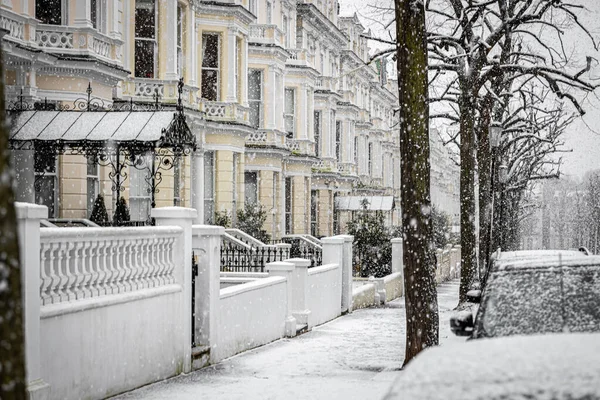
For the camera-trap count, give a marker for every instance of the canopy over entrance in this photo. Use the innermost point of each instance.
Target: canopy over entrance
(113, 135)
(373, 203)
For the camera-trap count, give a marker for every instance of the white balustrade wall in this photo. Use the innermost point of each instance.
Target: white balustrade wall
(107, 309)
(80, 263)
(110, 309)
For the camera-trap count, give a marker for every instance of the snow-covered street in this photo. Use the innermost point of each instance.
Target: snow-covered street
(356, 356)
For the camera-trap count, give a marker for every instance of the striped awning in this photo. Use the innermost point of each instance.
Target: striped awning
(98, 126)
(355, 203)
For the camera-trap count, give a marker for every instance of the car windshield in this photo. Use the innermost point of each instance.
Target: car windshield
(529, 301)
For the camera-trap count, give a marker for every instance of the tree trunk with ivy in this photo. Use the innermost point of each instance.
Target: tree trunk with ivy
(422, 321)
(12, 346)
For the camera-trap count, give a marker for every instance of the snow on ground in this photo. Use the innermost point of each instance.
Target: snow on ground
(356, 356)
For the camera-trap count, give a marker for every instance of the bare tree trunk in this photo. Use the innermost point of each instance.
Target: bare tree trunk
(12, 347)
(468, 239)
(422, 324)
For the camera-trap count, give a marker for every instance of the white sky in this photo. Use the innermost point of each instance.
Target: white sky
(583, 136)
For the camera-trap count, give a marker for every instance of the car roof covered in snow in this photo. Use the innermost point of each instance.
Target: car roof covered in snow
(557, 366)
(549, 262)
(536, 254)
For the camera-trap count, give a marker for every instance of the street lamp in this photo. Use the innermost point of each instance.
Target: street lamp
(494, 134)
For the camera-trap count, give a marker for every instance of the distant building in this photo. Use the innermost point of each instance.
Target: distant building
(445, 178)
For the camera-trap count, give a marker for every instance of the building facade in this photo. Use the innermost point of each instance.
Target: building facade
(286, 109)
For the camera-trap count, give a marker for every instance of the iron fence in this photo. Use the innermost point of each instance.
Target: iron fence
(235, 258)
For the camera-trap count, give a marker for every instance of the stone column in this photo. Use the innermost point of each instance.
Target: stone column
(192, 44)
(171, 72)
(285, 269)
(198, 185)
(300, 309)
(28, 222)
(271, 96)
(333, 253)
(183, 217)
(231, 67)
(347, 274)
(83, 13)
(206, 243)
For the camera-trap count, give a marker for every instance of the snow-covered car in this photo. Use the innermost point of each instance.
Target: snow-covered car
(554, 366)
(520, 289)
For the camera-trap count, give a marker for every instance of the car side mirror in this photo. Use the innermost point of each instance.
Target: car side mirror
(461, 324)
(474, 296)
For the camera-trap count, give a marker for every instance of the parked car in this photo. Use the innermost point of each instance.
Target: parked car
(537, 331)
(463, 323)
(554, 366)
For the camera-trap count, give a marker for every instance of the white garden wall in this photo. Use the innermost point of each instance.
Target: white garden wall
(394, 286)
(364, 296)
(324, 293)
(98, 347)
(250, 315)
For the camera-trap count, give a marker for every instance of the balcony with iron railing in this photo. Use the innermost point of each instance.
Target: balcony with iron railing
(61, 38)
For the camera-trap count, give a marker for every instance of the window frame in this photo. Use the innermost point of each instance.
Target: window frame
(53, 205)
(317, 127)
(339, 128)
(370, 159)
(216, 69)
(46, 4)
(209, 191)
(93, 177)
(256, 101)
(289, 115)
(140, 196)
(153, 40)
(180, 25)
(289, 199)
(253, 190)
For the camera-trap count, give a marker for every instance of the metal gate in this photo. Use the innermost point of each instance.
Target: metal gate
(194, 275)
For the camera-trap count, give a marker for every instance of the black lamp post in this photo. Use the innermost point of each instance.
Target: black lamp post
(495, 131)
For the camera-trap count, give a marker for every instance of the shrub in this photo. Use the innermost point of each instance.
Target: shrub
(99, 213)
(372, 243)
(223, 219)
(121, 214)
(251, 220)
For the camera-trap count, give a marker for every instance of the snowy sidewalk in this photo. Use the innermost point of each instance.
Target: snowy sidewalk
(353, 357)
